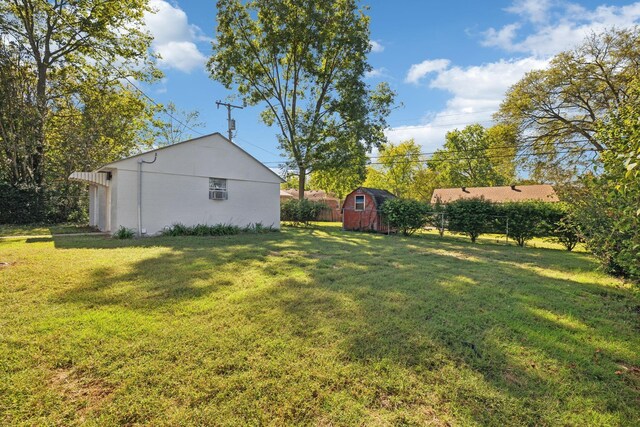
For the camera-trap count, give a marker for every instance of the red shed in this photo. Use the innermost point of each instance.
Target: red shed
(361, 210)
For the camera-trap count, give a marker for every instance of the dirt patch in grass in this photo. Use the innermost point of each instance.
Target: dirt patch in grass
(85, 394)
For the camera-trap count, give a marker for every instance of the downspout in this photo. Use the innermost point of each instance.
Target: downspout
(140, 163)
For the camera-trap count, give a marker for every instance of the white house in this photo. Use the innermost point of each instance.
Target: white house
(206, 180)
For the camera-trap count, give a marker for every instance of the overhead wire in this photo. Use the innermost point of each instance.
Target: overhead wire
(167, 113)
(124, 77)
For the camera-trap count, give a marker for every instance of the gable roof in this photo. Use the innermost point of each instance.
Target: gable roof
(516, 193)
(379, 196)
(110, 165)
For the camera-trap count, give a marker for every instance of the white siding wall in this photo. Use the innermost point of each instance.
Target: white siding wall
(176, 188)
(102, 208)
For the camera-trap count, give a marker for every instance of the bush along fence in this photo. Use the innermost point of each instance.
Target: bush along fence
(520, 221)
(301, 211)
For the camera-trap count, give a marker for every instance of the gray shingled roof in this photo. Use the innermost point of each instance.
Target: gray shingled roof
(379, 196)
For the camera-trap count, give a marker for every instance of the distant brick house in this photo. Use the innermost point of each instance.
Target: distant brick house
(361, 210)
(513, 193)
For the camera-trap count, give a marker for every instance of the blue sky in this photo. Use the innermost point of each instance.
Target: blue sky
(450, 62)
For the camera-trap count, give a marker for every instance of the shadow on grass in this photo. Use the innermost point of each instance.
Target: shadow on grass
(499, 340)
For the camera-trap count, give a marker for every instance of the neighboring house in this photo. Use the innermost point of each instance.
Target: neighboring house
(513, 193)
(333, 211)
(361, 210)
(284, 196)
(206, 180)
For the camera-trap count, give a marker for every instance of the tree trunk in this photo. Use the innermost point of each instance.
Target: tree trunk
(37, 161)
(302, 178)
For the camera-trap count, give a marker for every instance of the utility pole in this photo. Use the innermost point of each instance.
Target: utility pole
(231, 124)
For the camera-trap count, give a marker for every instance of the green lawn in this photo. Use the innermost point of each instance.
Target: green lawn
(312, 326)
(37, 230)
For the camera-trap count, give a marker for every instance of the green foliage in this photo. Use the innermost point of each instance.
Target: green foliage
(557, 110)
(526, 219)
(397, 171)
(606, 208)
(341, 179)
(301, 211)
(306, 61)
(475, 156)
(21, 204)
(179, 229)
(471, 217)
(63, 106)
(566, 232)
(405, 215)
(124, 233)
(172, 125)
(437, 217)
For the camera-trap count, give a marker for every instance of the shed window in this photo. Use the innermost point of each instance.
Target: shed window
(360, 203)
(218, 189)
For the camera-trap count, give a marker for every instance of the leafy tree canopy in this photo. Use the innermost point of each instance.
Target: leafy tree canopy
(397, 169)
(557, 110)
(306, 61)
(476, 156)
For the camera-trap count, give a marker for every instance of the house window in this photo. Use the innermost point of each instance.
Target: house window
(360, 203)
(218, 189)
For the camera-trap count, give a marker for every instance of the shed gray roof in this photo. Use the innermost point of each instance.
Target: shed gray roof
(379, 196)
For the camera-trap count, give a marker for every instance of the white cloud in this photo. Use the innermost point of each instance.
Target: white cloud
(476, 94)
(419, 71)
(376, 73)
(476, 91)
(174, 39)
(533, 10)
(376, 47)
(557, 26)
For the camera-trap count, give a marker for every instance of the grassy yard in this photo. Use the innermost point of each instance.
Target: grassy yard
(38, 230)
(312, 326)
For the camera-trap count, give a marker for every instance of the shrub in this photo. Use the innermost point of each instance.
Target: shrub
(608, 222)
(301, 211)
(405, 215)
(437, 217)
(472, 217)
(124, 233)
(178, 229)
(21, 204)
(566, 233)
(527, 219)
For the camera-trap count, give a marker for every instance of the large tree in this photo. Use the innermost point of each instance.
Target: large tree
(398, 169)
(306, 61)
(18, 116)
(606, 208)
(476, 156)
(61, 37)
(557, 110)
(174, 125)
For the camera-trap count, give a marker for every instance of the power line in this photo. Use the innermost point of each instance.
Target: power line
(445, 125)
(523, 155)
(530, 145)
(122, 76)
(437, 116)
(497, 147)
(258, 147)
